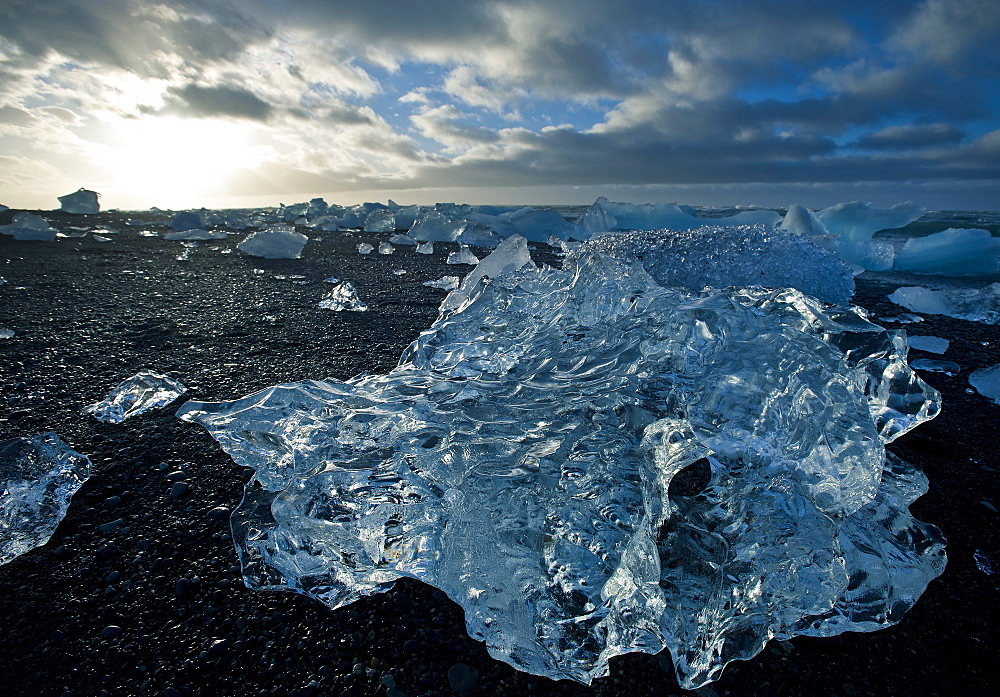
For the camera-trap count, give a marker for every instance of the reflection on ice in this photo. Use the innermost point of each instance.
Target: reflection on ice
(143, 391)
(38, 476)
(525, 454)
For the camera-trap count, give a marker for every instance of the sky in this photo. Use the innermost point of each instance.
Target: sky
(240, 103)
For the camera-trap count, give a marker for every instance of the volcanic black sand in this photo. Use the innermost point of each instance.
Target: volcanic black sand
(129, 555)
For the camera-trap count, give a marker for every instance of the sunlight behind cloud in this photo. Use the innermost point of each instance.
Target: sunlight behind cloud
(173, 162)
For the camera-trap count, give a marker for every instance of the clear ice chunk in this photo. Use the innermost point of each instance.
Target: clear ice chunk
(425, 248)
(524, 456)
(464, 255)
(39, 476)
(196, 234)
(9, 333)
(987, 382)
(385, 248)
(81, 201)
(972, 304)
(365, 248)
(143, 391)
(380, 220)
(29, 227)
(443, 283)
(931, 344)
(722, 256)
(278, 242)
(341, 297)
(935, 366)
(857, 221)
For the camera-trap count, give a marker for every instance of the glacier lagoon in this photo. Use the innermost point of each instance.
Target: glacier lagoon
(520, 458)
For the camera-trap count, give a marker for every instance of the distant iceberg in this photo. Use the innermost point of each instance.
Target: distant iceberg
(81, 201)
(38, 477)
(952, 251)
(526, 456)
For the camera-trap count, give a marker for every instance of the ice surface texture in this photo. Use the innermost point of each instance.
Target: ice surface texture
(971, 304)
(524, 458)
(39, 476)
(143, 391)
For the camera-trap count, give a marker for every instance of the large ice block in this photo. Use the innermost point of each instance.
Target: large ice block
(524, 456)
(81, 201)
(278, 242)
(38, 476)
(972, 304)
(951, 251)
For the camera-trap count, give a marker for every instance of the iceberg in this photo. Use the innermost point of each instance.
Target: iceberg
(952, 251)
(987, 382)
(380, 220)
(857, 222)
(38, 476)
(342, 297)
(464, 255)
(434, 226)
(802, 221)
(974, 305)
(187, 220)
(143, 391)
(527, 456)
(29, 227)
(278, 242)
(81, 201)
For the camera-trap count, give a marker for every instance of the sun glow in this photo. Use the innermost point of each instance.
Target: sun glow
(173, 162)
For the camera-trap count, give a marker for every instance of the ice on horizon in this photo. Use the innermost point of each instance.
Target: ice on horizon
(38, 476)
(81, 201)
(524, 457)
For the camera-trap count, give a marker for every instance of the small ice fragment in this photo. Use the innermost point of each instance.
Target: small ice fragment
(464, 255)
(399, 272)
(80, 201)
(6, 333)
(196, 234)
(101, 238)
(933, 366)
(904, 318)
(386, 248)
(143, 391)
(444, 283)
(278, 242)
(38, 477)
(983, 562)
(331, 279)
(987, 382)
(931, 344)
(425, 248)
(343, 297)
(365, 248)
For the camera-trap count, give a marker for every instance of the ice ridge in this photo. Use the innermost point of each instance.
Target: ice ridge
(526, 457)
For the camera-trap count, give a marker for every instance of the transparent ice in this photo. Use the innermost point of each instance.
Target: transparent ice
(386, 248)
(533, 453)
(952, 251)
(380, 220)
(972, 304)
(464, 255)
(196, 234)
(9, 333)
(936, 366)
(932, 344)
(29, 227)
(987, 382)
(278, 242)
(443, 283)
(343, 296)
(143, 391)
(38, 476)
(365, 248)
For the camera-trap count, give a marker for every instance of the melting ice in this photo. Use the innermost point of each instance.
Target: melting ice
(522, 457)
(143, 391)
(38, 476)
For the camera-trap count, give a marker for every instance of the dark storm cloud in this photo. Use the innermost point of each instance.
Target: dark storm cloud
(911, 137)
(194, 100)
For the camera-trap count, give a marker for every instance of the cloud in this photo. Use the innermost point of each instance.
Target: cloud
(195, 100)
(911, 137)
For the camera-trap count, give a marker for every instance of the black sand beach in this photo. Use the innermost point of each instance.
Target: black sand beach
(163, 571)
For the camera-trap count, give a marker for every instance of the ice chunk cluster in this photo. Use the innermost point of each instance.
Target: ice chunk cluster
(527, 454)
(143, 391)
(39, 476)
